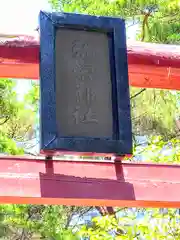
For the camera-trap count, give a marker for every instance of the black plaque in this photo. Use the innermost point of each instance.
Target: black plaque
(83, 84)
(85, 105)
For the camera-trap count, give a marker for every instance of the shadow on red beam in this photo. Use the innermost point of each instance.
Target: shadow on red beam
(89, 183)
(150, 65)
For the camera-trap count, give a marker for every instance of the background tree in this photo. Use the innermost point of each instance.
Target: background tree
(25, 222)
(154, 225)
(16, 119)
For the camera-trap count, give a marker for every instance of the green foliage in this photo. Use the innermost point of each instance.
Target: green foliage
(154, 112)
(160, 151)
(20, 127)
(45, 222)
(161, 31)
(158, 19)
(9, 146)
(32, 97)
(16, 121)
(52, 222)
(154, 225)
(7, 98)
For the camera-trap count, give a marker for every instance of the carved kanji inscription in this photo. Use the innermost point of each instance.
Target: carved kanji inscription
(83, 84)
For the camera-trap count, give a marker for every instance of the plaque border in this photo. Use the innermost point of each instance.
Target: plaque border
(50, 138)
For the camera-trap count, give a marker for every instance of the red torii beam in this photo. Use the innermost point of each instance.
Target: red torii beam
(150, 65)
(38, 181)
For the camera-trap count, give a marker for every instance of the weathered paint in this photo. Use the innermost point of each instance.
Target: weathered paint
(36, 181)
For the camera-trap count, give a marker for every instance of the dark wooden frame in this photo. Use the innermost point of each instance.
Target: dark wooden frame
(51, 140)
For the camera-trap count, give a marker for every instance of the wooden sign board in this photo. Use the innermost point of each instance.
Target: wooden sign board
(82, 72)
(84, 84)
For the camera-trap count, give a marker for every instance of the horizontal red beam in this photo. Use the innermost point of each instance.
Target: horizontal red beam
(36, 181)
(150, 65)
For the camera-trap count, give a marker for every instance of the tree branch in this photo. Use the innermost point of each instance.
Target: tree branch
(6, 119)
(137, 94)
(145, 21)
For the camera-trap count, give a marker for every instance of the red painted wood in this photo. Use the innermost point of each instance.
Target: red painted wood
(88, 183)
(150, 65)
(152, 54)
(150, 76)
